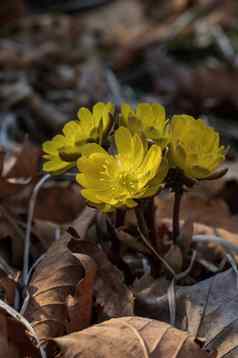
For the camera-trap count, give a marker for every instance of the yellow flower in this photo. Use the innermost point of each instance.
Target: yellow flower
(147, 119)
(112, 181)
(63, 150)
(195, 147)
(93, 125)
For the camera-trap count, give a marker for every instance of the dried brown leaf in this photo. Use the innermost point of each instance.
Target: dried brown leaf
(111, 293)
(131, 242)
(80, 305)
(15, 341)
(59, 204)
(201, 208)
(208, 309)
(27, 162)
(8, 284)
(129, 337)
(83, 221)
(174, 257)
(57, 282)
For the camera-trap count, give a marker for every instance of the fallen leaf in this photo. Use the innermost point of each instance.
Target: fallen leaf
(201, 209)
(15, 341)
(83, 221)
(207, 309)
(8, 284)
(213, 251)
(131, 242)
(55, 283)
(26, 163)
(174, 257)
(59, 203)
(111, 293)
(129, 337)
(80, 304)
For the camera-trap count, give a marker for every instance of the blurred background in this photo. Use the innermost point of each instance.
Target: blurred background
(57, 55)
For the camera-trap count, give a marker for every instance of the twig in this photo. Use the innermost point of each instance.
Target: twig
(141, 221)
(220, 335)
(227, 245)
(185, 273)
(224, 44)
(231, 351)
(172, 302)
(29, 227)
(114, 86)
(230, 257)
(148, 244)
(204, 308)
(144, 234)
(17, 316)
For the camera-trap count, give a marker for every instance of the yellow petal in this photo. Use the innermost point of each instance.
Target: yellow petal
(151, 163)
(71, 128)
(98, 168)
(53, 146)
(90, 148)
(123, 140)
(86, 120)
(56, 166)
(126, 111)
(145, 113)
(130, 203)
(159, 111)
(138, 151)
(101, 111)
(90, 195)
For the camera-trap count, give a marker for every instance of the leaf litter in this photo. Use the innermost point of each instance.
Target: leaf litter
(77, 277)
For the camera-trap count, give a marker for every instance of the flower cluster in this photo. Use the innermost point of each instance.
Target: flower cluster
(144, 145)
(63, 150)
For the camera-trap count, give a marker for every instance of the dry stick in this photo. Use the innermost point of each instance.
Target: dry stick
(224, 44)
(152, 249)
(27, 295)
(114, 87)
(227, 245)
(231, 259)
(16, 315)
(230, 352)
(172, 302)
(29, 227)
(185, 273)
(205, 306)
(221, 334)
(148, 244)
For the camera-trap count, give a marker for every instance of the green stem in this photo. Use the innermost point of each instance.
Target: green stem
(176, 213)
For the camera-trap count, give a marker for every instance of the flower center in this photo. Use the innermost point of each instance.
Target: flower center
(127, 182)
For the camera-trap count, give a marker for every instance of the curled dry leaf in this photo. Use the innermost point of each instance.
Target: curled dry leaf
(83, 221)
(80, 305)
(8, 283)
(59, 203)
(26, 163)
(12, 169)
(129, 337)
(15, 341)
(111, 293)
(56, 288)
(208, 309)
